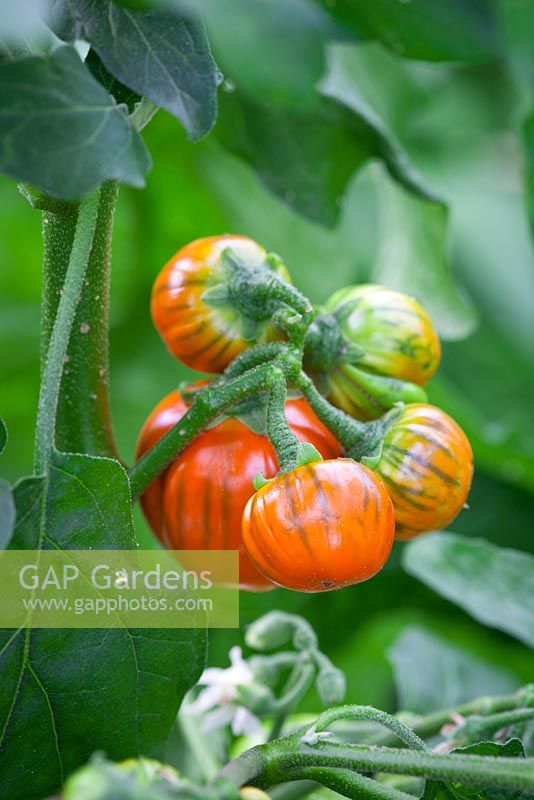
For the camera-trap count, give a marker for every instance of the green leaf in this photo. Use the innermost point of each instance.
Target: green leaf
(308, 156)
(7, 504)
(271, 49)
(493, 584)
(436, 790)
(3, 435)
(7, 514)
(412, 257)
(448, 30)
(528, 139)
(412, 238)
(117, 90)
(431, 673)
(68, 693)
(158, 54)
(344, 88)
(61, 131)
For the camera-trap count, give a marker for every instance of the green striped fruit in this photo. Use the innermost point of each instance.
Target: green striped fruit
(372, 347)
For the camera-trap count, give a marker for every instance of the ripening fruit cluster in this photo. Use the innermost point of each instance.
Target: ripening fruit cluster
(326, 524)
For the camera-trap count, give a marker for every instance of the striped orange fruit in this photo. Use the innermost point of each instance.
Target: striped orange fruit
(204, 336)
(198, 502)
(320, 527)
(427, 465)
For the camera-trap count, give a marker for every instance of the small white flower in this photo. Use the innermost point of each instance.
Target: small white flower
(313, 737)
(217, 702)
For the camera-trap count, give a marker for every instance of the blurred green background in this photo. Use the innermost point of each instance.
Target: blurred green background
(459, 125)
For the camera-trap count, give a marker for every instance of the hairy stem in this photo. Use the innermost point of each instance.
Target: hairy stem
(207, 405)
(298, 683)
(349, 784)
(270, 764)
(357, 438)
(431, 724)
(370, 714)
(84, 418)
(61, 329)
(282, 438)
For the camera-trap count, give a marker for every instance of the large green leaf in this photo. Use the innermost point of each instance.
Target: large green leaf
(7, 513)
(68, 692)
(431, 673)
(3, 436)
(307, 156)
(436, 790)
(412, 256)
(493, 584)
(158, 54)
(448, 30)
(61, 131)
(7, 504)
(528, 137)
(273, 50)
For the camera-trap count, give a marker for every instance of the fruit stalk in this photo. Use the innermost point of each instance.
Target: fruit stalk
(207, 405)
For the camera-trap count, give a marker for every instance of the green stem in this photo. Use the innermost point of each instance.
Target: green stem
(277, 628)
(476, 728)
(284, 441)
(349, 784)
(370, 714)
(259, 354)
(84, 418)
(208, 405)
(507, 718)
(268, 668)
(298, 684)
(431, 724)
(270, 764)
(357, 438)
(61, 330)
(59, 220)
(258, 292)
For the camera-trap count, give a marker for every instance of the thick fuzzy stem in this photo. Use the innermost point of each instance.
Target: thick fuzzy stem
(208, 405)
(84, 418)
(349, 784)
(358, 438)
(284, 441)
(270, 764)
(431, 724)
(370, 714)
(61, 329)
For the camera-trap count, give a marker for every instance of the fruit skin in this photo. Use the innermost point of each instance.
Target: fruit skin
(321, 526)
(427, 466)
(393, 330)
(198, 502)
(203, 336)
(373, 347)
